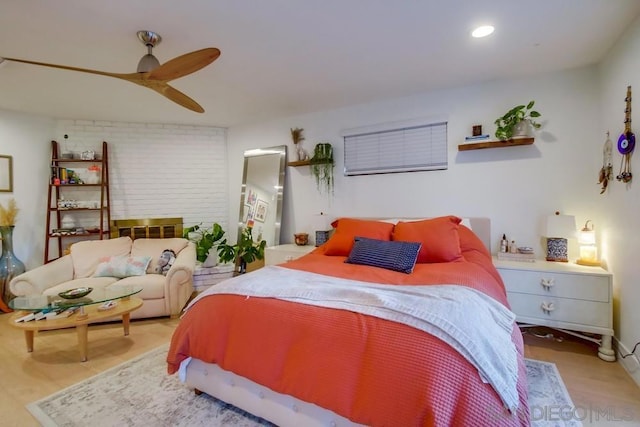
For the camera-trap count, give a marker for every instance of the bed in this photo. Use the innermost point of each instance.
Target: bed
(340, 361)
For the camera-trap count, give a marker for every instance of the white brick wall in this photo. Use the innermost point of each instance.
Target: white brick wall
(158, 170)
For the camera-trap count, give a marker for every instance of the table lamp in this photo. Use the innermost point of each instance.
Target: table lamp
(588, 248)
(559, 228)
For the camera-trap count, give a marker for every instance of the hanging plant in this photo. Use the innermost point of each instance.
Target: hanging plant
(322, 167)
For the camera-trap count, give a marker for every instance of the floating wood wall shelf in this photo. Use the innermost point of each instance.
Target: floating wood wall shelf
(299, 163)
(495, 144)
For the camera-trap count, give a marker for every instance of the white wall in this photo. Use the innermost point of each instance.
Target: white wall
(516, 187)
(620, 225)
(26, 138)
(156, 170)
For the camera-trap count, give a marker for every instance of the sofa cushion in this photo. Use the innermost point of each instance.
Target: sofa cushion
(86, 255)
(152, 285)
(154, 248)
(123, 266)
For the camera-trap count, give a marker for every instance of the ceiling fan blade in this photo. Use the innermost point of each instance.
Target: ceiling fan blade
(178, 97)
(130, 77)
(185, 64)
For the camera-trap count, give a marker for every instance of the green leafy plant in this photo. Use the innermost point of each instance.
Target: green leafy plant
(204, 239)
(322, 167)
(507, 123)
(243, 252)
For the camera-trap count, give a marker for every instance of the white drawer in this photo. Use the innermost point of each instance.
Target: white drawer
(563, 309)
(562, 285)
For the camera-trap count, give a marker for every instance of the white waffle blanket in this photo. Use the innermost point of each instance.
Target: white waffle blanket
(474, 324)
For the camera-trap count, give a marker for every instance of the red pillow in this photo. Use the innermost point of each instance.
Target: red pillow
(439, 238)
(341, 243)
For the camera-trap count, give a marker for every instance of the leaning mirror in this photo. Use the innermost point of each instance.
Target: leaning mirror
(262, 189)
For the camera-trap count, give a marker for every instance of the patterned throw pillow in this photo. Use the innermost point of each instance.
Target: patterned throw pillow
(123, 266)
(392, 255)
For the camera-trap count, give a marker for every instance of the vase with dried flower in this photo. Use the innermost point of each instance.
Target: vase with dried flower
(10, 265)
(297, 137)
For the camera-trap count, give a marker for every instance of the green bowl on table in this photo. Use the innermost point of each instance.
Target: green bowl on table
(75, 293)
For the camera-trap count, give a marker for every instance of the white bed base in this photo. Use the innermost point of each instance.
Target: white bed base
(281, 409)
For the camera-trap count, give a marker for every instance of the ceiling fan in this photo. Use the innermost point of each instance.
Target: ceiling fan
(150, 73)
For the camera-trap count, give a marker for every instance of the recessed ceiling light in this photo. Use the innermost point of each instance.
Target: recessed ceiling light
(482, 31)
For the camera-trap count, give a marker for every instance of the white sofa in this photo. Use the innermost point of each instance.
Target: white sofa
(162, 295)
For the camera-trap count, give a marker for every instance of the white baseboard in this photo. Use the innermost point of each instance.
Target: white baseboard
(631, 364)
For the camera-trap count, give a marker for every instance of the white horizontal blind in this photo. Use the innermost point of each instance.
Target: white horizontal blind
(417, 147)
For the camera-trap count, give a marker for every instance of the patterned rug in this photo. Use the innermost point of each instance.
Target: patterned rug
(113, 398)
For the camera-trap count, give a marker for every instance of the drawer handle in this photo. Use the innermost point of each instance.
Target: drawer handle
(547, 307)
(547, 284)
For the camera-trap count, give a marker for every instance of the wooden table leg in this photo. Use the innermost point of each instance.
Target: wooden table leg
(28, 336)
(125, 323)
(83, 340)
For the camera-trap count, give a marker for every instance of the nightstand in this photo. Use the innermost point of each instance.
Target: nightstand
(283, 253)
(564, 296)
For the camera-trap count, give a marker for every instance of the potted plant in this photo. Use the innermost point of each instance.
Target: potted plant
(322, 167)
(520, 115)
(243, 252)
(204, 239)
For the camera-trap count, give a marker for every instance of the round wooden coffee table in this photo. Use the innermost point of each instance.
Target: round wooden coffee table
(87, 314)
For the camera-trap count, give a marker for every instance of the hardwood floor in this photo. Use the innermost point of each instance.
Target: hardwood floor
(602, 391)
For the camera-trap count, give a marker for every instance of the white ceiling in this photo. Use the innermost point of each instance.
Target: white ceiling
(286, 57)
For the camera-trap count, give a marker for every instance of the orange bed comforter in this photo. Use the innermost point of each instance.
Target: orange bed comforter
(372, 371)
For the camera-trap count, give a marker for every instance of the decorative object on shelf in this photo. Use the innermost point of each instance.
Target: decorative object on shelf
(6, 174)
(205, 239)
(476, 130)
(297, 137)
(559, 229)
(301, 239)
(88, 155)
(588, 248)
(521, 116)
(10, 265)
(93, 174)
(245, 251)
(322, 167)
(606, 172)
(626, 143)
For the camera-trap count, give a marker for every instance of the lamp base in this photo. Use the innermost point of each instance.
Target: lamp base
(588, 262)
(557, 249)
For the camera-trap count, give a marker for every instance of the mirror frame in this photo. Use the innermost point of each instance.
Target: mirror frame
(281, 151)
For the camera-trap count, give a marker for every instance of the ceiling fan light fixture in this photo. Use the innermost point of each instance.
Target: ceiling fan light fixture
(148, 63)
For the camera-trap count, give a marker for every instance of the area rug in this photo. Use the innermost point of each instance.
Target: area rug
(114, 397)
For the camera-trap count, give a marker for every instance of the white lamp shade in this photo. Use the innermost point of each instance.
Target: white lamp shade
(561, 226)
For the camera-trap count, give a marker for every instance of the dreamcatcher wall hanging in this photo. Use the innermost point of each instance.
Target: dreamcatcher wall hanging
(626, 143)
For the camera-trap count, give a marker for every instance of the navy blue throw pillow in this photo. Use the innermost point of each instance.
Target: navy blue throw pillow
(392, 255)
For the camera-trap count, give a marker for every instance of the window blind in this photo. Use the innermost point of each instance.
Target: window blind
(416, 147)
